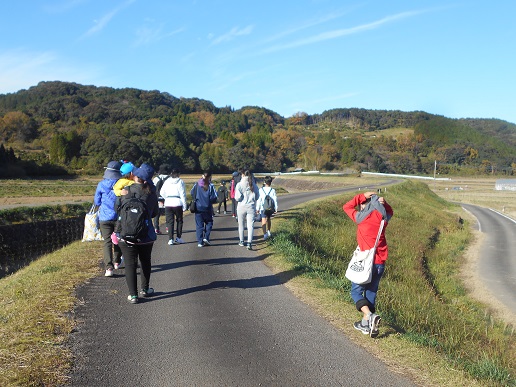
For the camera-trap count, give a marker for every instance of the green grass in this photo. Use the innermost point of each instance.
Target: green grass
(422, 299)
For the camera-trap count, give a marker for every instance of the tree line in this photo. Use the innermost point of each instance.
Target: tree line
(63, 127)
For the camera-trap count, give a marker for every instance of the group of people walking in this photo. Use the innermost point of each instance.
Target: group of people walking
(123, 182)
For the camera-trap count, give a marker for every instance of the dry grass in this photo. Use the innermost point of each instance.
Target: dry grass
(35, 305)
(479, 191)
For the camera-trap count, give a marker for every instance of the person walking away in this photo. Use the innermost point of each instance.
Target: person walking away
(174, 193)
(142, 195)
(266, 206)
(158, 181)
(203, 192)
(235, 178)
(222, 196)
(372, 209)
(246, 194)
(105, 199)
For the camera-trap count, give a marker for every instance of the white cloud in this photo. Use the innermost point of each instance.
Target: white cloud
(101, 23)
(148, 35)
(233, 34)
(308, 24)
(342, 32)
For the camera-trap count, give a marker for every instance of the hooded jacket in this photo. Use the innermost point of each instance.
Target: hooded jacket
(105, 198)
(246, 195)
(174, 193)
(368, 223)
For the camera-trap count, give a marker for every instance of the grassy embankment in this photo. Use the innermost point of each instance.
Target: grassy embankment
(431, 328)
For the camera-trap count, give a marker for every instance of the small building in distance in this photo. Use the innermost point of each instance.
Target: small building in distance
(505, 184)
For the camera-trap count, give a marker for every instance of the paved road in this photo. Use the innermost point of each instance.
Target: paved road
(497, 263)
(219, 318)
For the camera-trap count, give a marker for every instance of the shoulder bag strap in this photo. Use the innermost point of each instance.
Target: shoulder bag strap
(379, 233)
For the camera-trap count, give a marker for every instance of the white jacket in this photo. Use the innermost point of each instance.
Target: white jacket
(173, 191)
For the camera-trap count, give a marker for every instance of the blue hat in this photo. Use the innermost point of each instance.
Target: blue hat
(144, 172)
(113, 170)
(235, 174)
(126, 168)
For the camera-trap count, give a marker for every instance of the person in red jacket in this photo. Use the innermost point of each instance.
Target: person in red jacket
(367, 210)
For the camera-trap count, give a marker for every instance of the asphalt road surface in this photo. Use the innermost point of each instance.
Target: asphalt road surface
(497, 263)
(219, 318)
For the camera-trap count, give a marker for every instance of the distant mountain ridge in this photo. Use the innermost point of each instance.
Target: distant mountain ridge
(80, 128)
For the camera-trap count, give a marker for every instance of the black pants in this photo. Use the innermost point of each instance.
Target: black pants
(131, 255)
(106, 229)
(225, 206)
(174, 215)
(155, 220)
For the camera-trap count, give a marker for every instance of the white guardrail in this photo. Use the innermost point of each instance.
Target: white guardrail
(340, 173)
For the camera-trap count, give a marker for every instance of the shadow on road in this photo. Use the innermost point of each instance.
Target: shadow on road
(249, 283)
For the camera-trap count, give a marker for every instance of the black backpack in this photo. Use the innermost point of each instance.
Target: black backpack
(133, 218)
(159, 184)
(268, 204)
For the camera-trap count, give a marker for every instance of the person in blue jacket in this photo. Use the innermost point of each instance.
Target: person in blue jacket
(204, 194)
(105, 198)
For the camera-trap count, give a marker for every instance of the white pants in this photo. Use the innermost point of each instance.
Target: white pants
(245, 215)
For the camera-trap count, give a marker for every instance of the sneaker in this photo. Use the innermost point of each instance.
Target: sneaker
(147, 292)
(364, 329)
(206, 242)
(120, 264)
(170, 242)
(225, 212)
(109, 273)
(269, 234)
(241, 243)
(179, 241)
(266, 236)
(218, 212)
(374, 323)
(200, 245)
(132, 299)
(166, 229)
(249, 246)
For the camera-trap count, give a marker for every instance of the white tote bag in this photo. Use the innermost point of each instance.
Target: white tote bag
(91, 225)
(360, 268)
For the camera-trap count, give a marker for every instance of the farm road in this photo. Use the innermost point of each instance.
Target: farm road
(496, 267)
(220, 317)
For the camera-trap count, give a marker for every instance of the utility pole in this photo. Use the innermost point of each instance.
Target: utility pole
(435, 170)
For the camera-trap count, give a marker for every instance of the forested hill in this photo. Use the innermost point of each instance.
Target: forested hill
(58, 127)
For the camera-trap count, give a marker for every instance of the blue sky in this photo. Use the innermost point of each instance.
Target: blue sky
(452, 58)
